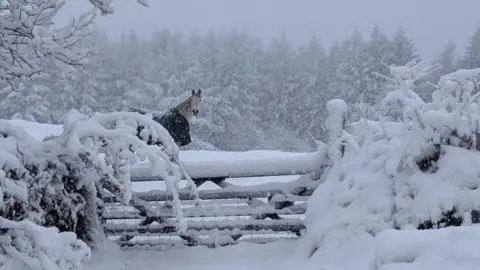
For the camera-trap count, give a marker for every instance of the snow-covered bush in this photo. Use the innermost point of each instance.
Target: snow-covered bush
(59, 183)
(24, 244)
(420, 173)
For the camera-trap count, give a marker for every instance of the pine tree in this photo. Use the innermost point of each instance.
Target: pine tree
(471, 58)
(377, 50)
(354, 68)
(402, 49)
(447, 59)
(311, 61)
(334, 60)
(209, 58)
(280, 78)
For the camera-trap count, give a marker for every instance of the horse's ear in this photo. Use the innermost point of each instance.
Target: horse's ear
(199, 93)
(193, 92)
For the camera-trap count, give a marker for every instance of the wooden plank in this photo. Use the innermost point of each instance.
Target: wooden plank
(236, 192)
(156, 242)
(211, 212)
(166, 244)
(184, 203)
(293, 225)
(205, 233)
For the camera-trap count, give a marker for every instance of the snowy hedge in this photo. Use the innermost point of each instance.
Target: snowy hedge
(420, 173)
(50, 191)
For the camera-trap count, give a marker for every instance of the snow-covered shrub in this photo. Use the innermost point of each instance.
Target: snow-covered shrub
(420, 173)
(24, 244)
(59, 182)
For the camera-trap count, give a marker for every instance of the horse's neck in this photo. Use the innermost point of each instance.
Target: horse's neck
(184, 109)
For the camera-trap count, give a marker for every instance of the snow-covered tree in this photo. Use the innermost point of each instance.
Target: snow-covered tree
(354, 68)
(417, 173)
(281, 79)
(402, 49)
(31, 43)
(448, 59)
(311, 64)
(377, 50)
(471, 58)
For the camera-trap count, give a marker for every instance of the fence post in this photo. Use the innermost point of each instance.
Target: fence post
(335, 124)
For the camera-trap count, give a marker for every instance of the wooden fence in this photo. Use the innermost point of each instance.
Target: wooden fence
(259, 213)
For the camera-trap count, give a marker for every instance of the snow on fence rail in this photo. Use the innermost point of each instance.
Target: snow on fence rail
(296, 164)
(258, 213)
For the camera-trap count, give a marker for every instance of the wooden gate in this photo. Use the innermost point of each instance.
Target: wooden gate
(258, 213)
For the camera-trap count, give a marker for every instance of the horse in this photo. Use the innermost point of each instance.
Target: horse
(177, 120)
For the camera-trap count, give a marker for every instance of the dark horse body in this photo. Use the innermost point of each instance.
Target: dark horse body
(177, 120)
(177, 125)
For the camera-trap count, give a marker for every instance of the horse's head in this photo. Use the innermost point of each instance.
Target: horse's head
(195, 100)
(190, 107)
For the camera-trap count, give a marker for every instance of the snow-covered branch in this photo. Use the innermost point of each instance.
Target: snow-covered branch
(105, 6)
(30, 42)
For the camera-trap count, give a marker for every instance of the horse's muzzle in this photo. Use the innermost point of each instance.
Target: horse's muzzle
(195, 112)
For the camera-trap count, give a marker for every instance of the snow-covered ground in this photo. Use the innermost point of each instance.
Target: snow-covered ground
(445, 249)
(243, 256)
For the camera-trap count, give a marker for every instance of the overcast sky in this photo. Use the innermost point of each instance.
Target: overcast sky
(431, 23)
